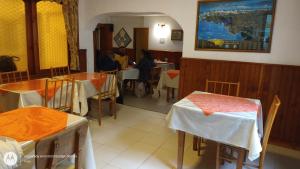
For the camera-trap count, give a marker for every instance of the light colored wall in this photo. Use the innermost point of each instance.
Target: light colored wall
(128, 23)
(286, 34)
(154, 41)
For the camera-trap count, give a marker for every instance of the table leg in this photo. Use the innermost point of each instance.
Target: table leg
(181, 141)
(168, 94)
(173, 93)
(240, 159)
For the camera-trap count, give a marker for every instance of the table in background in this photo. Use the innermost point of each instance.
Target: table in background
(27, 93)
(87, 89)
(229, 125)
(170, 80)
(128, 74)
(164, 65)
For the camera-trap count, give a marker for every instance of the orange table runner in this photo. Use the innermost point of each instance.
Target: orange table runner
(97, 79)
(173, 73)
(32, 123)
(37, 85)
(210, 103)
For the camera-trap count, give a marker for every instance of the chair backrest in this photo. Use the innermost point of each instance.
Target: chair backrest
(268, 126)
(61, 93)
(225, 88)
(64, 144)
(155, 74)
(15, 76)
(59, 71)
(109, 88)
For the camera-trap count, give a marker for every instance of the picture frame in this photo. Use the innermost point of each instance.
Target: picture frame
(177, 34)
(235, 25)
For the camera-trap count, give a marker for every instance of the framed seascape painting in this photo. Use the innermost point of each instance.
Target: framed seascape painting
(235, 25)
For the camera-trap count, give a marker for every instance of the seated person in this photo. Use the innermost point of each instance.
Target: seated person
(145, 66)
(105, 61)
(120, 56)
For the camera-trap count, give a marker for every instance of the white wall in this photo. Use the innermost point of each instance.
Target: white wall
(154, 42)
(128, 23)
(285, 35)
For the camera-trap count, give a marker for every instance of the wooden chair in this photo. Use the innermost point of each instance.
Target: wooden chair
(225, 88)
(218, 87)
(15, 76)
(108, 93)
(221, 155)
(68, 142)
(154, 78)
(63, 101)
(59, 71)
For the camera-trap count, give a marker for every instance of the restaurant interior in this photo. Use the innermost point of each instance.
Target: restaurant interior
(111, 84)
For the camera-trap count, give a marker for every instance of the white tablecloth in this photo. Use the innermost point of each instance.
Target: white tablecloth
(166, 81)
(88, 154)
(165, 65)
(129, 73)
(240, 129)
(87, 90)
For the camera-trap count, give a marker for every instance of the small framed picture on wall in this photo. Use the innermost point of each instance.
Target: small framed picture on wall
(177, 34)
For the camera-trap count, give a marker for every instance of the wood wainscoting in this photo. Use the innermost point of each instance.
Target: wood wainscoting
(257, 80)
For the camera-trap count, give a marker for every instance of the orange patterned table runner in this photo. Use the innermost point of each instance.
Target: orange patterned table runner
(32, 123)
(97, 79)
(173, 73)
(210, 103)
(37, 85)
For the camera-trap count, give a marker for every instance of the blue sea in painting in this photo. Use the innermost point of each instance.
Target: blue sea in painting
(211, 30)
(208, 30)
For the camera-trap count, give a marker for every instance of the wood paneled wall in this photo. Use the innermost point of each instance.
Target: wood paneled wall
(260, 81)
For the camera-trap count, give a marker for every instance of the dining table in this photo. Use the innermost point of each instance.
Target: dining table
(26, 93)
(224, 119)
(89, 84)
(31, 124)
(169, 79)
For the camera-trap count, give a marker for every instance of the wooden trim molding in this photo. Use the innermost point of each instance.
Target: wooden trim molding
(261, 81)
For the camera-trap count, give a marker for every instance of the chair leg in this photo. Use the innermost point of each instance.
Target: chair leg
(114, 108)
(158, 92)
(100, 112)
(195, 141)
(168, 93)
(173, 93)
(199, 141)
(218, 156)
(111, 108)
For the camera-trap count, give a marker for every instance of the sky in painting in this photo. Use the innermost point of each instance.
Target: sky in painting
(236, 5)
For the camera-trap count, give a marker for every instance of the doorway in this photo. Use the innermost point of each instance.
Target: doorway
(102, 37)
(141, 40)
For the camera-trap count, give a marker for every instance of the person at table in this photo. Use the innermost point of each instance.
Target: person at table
(105, 61)
(145, 66)
(121, 57)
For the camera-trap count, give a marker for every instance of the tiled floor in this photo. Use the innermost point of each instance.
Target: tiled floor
(150, 102)
(140, 139)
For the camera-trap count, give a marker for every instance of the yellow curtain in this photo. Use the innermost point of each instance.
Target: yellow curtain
(53, 47)
(13, 31)
(70, 11)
